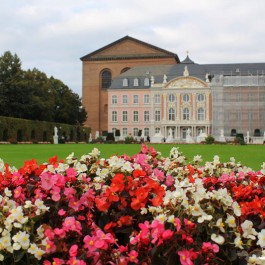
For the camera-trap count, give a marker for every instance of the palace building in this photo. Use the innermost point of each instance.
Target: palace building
(140, 89)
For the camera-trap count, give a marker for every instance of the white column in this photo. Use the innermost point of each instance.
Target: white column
(165, 106)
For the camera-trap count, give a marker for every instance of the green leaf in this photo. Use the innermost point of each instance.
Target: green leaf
(18, 255)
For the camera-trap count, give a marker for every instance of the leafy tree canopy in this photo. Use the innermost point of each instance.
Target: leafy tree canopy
(32, 95)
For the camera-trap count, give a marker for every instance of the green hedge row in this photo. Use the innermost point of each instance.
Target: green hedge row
(15, 130)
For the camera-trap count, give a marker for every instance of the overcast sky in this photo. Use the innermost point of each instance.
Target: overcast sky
(52, 35)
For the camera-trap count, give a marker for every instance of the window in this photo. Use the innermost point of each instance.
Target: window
(124, 99)
(146, 99)
(135, 131)
(146, 131)
(146, 115)
(125, 116)
(171, 98)
(157, 130)
(136, 82)
(157, 115)
(200, 97)
(146, 81)
(135, 99)
(124, 131)
(238, 97)
(114, 99)
(171, 114)
(135, 116)
(105, 79)
(186, 97)
(186, 114)
(157, 99)
(125, 82)
(114, 116)
(200, 114)
(114, 130)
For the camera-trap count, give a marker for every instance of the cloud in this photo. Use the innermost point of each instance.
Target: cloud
(53, 35)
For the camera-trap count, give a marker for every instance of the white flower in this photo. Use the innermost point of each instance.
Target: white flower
(236, 208)
(143, 211)
(34, 250)
(261, 237)
(204, 217)
(81, 167)
(220, 224)
(5, 241)
(95, 152)
(21, 240)
(254, 260)
(197, 158)
(218, 239)
(238, 242)
(231, 221)
(8, 193)
(1, 257)
(161, 217)
(248, 230)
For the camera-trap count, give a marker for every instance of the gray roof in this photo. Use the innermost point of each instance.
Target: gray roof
(196, 70)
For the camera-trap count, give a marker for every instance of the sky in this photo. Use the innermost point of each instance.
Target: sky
(52, 35)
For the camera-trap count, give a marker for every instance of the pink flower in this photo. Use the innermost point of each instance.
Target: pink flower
(18, 193)
(73, 250)
(59, 232)
(70, 224)
(47, 180)
(169, 180)
(208, 246)
(177, 224)
(61, 212)
(133, 256)
(69, 192)
(159, 174)
(56, 196)
(186, 256)
(144, 149)
(90, 243)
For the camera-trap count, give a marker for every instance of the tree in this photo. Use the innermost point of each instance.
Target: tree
(32, 95)
(10, 76)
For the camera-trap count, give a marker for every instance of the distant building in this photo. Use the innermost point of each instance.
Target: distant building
(158, 96)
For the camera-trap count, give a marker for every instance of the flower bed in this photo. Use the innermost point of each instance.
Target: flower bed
(144, 209)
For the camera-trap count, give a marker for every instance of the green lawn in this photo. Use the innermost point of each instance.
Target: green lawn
(15, 155)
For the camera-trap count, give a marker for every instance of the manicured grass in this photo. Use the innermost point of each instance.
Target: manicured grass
(250, 155)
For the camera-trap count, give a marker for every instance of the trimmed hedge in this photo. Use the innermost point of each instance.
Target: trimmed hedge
(15, 130)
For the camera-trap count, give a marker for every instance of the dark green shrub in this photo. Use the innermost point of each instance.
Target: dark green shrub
(209, 139)
(128, 140)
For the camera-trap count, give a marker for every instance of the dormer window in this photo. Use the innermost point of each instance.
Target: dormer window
(125, 82)
(146, 81)
(136, 82)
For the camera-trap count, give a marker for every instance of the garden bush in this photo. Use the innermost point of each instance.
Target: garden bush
(144, 209)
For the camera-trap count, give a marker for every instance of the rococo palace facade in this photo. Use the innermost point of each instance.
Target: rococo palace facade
(142, 90)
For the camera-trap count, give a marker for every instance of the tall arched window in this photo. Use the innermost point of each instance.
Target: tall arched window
(125, 82)
(105, 79)
(171, 114)
(186, 114)
(146, 81)
(200, 114)
(135, 82)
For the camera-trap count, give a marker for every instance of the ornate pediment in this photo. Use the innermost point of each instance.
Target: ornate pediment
(186, 82)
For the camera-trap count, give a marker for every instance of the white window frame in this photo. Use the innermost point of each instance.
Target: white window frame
(146, 115)
(157, 115)
(114, 99)
(200, 115)
(135, 116)
(114, 116)
(124, 99)
(135, 99)
(146, 99)
(125, 116)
